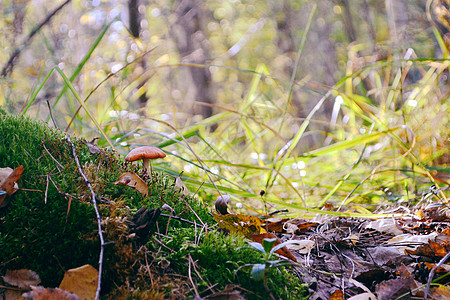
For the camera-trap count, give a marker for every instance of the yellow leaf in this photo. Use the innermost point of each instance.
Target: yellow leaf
(81, 281)
(243, 224)
(134, 181)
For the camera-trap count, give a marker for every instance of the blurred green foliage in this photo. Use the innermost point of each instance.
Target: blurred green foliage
(356, 76)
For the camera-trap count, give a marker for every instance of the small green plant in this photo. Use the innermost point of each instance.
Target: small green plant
(260, 271)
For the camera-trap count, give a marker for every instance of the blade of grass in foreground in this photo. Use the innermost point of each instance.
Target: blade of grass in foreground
(82, 63)
(349, 144)
(74, 92)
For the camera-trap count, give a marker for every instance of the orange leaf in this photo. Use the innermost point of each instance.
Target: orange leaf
(134, 181)
(8, 184)
(437, 249)
(283, 251)
(337, 295)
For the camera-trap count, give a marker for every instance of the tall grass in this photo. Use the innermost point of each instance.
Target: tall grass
(385, 130)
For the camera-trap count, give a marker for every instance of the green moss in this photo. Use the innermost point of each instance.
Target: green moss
(35, 229)
(49, 225)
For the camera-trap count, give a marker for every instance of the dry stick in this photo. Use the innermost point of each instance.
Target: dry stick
(46, 189)
(48, 152)
(177, 218)
(94, 202)
(51, 114)
(190, 277)
(192, 211)
(433, 270)
(7, 68)
(147, 267)
(210, 287)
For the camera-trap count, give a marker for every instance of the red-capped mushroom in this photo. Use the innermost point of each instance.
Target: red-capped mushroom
(146, 153)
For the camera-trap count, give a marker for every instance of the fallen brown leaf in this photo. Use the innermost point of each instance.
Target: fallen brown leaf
(394, 288)
(440, 292)
(41, 293)
(132, 180)
(22, 278)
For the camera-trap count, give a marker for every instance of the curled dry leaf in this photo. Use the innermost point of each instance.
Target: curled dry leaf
(41, 293)
(82, 281)
(22, 278)
(4, 174)
(8, 183)
(143, 222)
(132, 180)
(180, 184)
(302, 247)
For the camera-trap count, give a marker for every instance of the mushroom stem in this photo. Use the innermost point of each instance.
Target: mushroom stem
(146, 163)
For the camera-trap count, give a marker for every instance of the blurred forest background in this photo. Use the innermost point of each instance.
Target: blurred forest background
(262, 90)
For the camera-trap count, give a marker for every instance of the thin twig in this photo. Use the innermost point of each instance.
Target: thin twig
(193, 211)
(148, 268)
(57, 162)
(210, 287)
(433, 270)
(163, 245)
(46, 189)
(190, 277)
(99, 220)
(51, 114)
(178, 218)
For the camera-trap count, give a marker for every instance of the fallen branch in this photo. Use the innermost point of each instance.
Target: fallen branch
(94, 202)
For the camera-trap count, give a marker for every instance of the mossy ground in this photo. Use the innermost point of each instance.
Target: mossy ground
(49, 225)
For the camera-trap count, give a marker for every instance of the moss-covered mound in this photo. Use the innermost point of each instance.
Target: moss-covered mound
(49, 225)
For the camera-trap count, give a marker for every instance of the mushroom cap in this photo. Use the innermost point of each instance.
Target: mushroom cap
(145, 152)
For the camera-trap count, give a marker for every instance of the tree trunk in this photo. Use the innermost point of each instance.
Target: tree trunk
(134, 19)
(397, 15)
(192, 45)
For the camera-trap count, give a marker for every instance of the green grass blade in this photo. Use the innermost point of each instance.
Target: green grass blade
(349, 144)
(82, 63)
(74, 92)
(34, 95)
